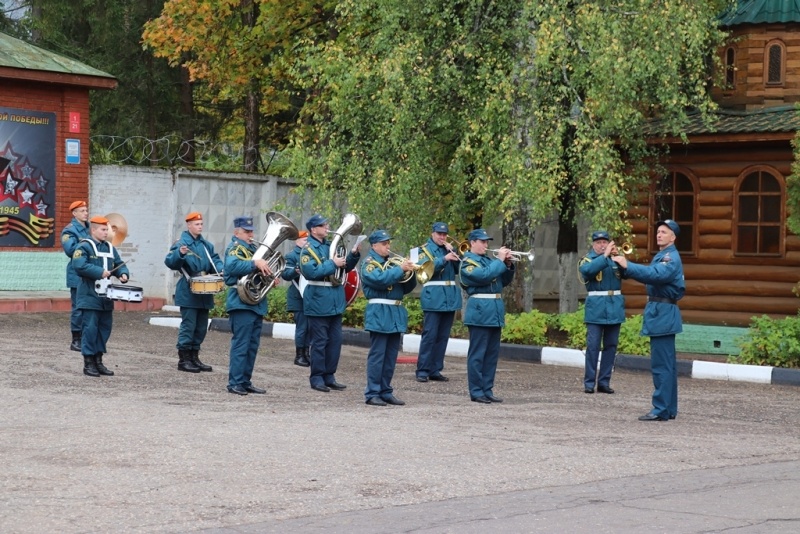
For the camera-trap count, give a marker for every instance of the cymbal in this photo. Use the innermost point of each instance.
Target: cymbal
(117, 228)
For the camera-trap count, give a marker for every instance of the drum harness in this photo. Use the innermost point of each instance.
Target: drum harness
(105, 255)
(101, 289)
(208, 255)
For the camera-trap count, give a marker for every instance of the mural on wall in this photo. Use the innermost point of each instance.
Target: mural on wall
(27, 178)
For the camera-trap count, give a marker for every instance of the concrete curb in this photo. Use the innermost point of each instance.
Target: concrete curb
(543, 355)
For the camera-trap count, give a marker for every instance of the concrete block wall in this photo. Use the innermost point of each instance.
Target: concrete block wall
(155, 201)
(144, 197)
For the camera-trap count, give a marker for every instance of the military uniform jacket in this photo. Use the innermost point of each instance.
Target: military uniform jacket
(191, 265)
(664, 280)
(484, 275)
(602, 274)
(382, 281)
(70, 237)
(238, 263)
(294, 300)
(436, 297)
(323, 300)
(89, 265)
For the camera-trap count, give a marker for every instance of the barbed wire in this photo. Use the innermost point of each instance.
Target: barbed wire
(172, 151)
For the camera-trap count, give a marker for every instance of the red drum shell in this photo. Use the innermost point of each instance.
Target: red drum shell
(352, 283)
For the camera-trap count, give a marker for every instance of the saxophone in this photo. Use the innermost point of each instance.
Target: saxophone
(252, 288)
(351, 224)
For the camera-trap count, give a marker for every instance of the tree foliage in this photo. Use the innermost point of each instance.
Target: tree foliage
(469, 111)
(234, 46)
(793, 190)
(106, 34)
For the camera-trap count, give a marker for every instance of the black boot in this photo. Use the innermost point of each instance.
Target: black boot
(196, 360)
(102, 369)
(89, 366)
(185, 362)
(301, 358)
(76, 341)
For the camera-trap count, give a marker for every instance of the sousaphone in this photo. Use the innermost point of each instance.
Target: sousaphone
(117, 228)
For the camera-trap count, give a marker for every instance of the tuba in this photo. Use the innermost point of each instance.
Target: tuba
(351, 224)
(252, 288)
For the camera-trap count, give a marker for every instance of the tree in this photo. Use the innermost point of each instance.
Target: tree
(241, 50)
(484, 111)
(106, 34)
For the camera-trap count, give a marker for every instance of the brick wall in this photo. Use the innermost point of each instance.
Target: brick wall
(43, 268)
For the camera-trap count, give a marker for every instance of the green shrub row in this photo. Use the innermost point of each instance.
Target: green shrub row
(774, 342)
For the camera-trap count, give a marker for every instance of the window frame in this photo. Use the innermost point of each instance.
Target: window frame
(730, 68)
(781, 67)
(736, 222)
(683, 223)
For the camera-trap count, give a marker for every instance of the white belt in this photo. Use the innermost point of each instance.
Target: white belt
(314, 283)
(441, 283)
(487, 296)
(390, 302)
(608, 293)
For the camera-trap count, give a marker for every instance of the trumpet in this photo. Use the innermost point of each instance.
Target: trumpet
(461, 247)
(625, 249)
(423, 272)
(516, 255)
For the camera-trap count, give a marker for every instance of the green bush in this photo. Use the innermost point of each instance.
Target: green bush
(415, 315)
(630, 340)
(528, 328)
(276, 305)
(573, 326)
(774, 342)
(354, 314)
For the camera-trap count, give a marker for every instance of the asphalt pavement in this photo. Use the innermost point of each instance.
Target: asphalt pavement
(152, 449)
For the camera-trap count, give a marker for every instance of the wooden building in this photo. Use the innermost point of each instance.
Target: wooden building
(727, 187)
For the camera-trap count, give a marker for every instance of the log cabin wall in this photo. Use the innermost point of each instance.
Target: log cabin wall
(731, 276)
(722, 287)
(745, 59)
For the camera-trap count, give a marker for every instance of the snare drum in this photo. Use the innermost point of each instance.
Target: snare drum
(126, 293)
(206, 285)
(101, 286)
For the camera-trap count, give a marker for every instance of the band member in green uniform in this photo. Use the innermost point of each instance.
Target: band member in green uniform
(604, 312)
(440, 299)
(665, 285)
(95, 261)
(484, 278)
(294, 300)
(71, 235)
(386, 319)
(324, 303)
(246, 320)
(192, 255)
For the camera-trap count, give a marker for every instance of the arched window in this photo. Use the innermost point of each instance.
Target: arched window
(673, 198)
(730, 68)
(774, 63)
(759, 213)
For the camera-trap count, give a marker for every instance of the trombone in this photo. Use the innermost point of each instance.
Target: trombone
(423, 272)
(461, 247)
(516, 255)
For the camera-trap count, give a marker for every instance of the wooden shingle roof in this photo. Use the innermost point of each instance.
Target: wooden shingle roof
(762, 12)
(23, 61)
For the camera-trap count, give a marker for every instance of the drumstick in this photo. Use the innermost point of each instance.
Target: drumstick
(120, 265)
